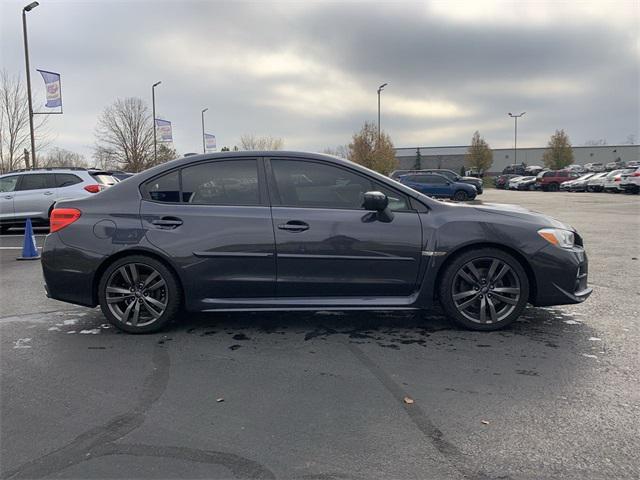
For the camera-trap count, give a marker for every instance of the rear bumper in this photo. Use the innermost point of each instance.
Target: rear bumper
(561, 276)
(68, 273)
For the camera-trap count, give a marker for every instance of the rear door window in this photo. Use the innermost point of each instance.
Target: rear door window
(165, 188)
(227, 182)
(36, 181)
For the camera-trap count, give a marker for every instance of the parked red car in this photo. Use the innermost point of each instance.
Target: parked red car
(550, 180)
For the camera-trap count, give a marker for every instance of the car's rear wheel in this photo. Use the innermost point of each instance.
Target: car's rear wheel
(484, 289)
(460, 196)
(139, 294)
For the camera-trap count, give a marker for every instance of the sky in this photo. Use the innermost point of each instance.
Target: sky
(308, 72)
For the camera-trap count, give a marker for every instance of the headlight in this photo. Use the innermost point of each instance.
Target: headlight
(558, 237)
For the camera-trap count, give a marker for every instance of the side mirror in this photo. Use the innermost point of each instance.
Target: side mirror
(376, 201)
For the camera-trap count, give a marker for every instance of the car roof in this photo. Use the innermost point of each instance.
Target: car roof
(288, 154)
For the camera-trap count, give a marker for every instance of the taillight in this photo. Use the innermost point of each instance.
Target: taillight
(94, 188)
(636, 174)
(63, 217)
(616, 179)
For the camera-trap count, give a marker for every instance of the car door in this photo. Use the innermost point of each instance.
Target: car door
(213, 220)
(7, 193)
(34, 195)
(327, 245)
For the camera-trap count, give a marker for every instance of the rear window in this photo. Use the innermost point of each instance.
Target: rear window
(104, 178)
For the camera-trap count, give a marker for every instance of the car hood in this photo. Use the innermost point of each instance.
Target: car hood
(469, 179)
(516, 211)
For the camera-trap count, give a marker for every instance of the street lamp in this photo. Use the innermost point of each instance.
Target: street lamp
(26, 9)
(204, 148)
(515, 137)
(153, 107)
(380, 88)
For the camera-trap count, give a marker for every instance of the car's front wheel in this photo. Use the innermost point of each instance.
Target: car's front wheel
(484, 289)
(139, 294)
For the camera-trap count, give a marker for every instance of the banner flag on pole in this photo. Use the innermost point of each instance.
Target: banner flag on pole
(209, 142)
(54, 91)
(163, 130)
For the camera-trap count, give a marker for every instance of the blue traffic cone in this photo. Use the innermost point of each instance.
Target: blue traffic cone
(29, 248)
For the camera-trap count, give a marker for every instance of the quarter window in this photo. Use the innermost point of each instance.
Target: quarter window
(8, 184)
(66, 180)
(233, 182)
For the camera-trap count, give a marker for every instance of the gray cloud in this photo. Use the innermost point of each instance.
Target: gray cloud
(308, 71)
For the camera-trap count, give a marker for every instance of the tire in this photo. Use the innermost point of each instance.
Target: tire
(459, 279)
(148, 308)
(553, 187)
(460, 196)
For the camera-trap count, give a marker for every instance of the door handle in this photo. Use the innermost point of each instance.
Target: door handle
(48, 193)
(294, 226)
(167, 222)
(8, 197)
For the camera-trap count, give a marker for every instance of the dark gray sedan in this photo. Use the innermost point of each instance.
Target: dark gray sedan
(299, 231)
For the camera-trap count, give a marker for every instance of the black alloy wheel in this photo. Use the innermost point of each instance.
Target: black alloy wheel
(485, 289)
(139, 294)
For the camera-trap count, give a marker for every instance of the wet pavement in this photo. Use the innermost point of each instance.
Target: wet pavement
(328, 395)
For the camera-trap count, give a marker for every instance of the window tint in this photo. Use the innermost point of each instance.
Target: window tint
(165, 188)
(436, 179)
(310, 184)
(8, 184)
(66, 180)
(233, 182)
(36, 181)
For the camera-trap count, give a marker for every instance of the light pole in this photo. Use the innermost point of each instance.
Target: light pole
(153, 107)
(380, 88)
(204, 148)
(515, 136)
(26, 9)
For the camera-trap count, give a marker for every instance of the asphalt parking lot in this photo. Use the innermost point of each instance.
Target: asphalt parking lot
(324, 396)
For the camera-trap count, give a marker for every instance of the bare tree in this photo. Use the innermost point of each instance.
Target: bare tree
(59, 157)
(124, 135)
(630, 140)
(341, 151)
(596, 143)
(14, 124)
(249, 141)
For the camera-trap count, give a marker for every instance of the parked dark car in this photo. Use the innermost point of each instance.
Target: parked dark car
(515, 169)
(450, 174)
(439, 186)
(301, 231)
(502, 181)
(550, 180)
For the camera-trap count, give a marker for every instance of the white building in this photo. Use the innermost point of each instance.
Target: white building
(453, 157)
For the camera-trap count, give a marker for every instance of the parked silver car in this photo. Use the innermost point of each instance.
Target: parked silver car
(32, 193)
(612, 181)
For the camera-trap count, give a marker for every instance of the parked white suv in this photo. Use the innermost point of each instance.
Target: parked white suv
(630, 182)
(32, 193)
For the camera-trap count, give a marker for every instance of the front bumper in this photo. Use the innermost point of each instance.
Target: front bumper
(561, 276)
